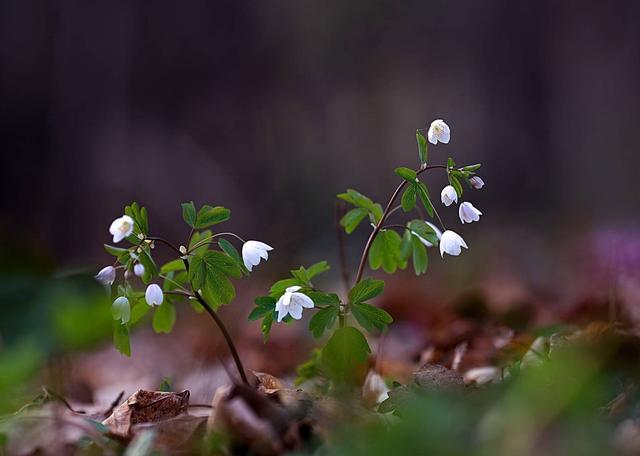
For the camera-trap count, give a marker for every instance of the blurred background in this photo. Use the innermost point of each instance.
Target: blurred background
(272, 108)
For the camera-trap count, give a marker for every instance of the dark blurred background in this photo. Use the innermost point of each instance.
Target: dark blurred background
(271, 108)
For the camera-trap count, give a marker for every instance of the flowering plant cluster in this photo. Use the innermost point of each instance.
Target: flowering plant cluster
(205, 265)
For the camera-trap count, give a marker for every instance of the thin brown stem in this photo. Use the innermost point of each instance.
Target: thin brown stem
(223, 330)
(165, 242)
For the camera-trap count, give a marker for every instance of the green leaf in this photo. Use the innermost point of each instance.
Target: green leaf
(230, 250)
(370, 317)
(164, 317)
(352, 219)
(139, 216)
(344, 356)
(317, 268)
(198, 236)
(150, 268)
(323, 299)
(172, 266)
(455, 183)
(208, 216)
(407, 174)
(423, 193)
(115, 251)
(472, 168)
(278, 288)
(409, 198)
(424, 230)
(366, 289)
(420, 259)
(309, 369)
(385, 252)
(358, 199)
(121, 338)
(189, 213)
(264, 306)
(138, 311)
(323, 320)
(209, 272)
(266, 324)
(405, 247)
(422, 147)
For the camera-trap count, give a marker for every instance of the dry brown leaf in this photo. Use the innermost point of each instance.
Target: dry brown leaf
(146, 407)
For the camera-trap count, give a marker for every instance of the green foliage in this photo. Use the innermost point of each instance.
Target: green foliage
(205, 217)
(385, 252)
(139, 216)
(310, 369)
(352, 219)
(121, 338)
(407, 174)
(359, 200)
(409, 198)
(423, 194)
(422, 148)
(164, 317)
(344, 356)
(366, 289)
(419, 253)
(323, 320)
(210, 273)
(368, 316)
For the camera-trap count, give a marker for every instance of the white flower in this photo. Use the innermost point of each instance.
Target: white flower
(121, 228)
(153, 295)
(121, 309)
(138, 269)
(476, 182)
(451, 243)
(448, 195)
(106, 276)
(423, 240)
(468, 213)
(439, 131)
(252, 251)
(292, 303)
(374, 390)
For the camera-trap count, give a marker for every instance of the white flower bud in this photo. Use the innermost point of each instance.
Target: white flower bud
(138, 269)
(183, 249)
(252, 251)
(106, 276)
(121, 228)
(448, 195)
(476, 182)
(121, 309)
(439, 131)
(154, 295)
(468, 213)
(451, 243)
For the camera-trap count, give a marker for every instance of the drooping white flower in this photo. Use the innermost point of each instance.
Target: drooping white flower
(476, 182)
(439, 131)
(154, 295)
(121, 309)
(423, 240)
(374, 390)
(449, 195)
(292, 302)
(106, 276)
(468, 213)
(121, 228)
(451, 243)
(252, 251)
(138, 269)
(482, 375)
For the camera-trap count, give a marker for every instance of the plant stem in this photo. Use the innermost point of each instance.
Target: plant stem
(385, 214)
(340, 211)
(223, 330)
(212, 314)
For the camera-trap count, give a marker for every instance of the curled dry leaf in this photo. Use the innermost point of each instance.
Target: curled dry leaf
(145, 407)
(267, 383)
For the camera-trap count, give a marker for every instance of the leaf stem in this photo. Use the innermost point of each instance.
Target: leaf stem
(206, 240)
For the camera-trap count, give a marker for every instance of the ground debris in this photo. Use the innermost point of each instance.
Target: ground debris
(145, 407)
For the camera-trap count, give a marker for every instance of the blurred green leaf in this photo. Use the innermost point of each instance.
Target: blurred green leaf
(422, 147)
(323, 320)
(164, 317)
(344, 356)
